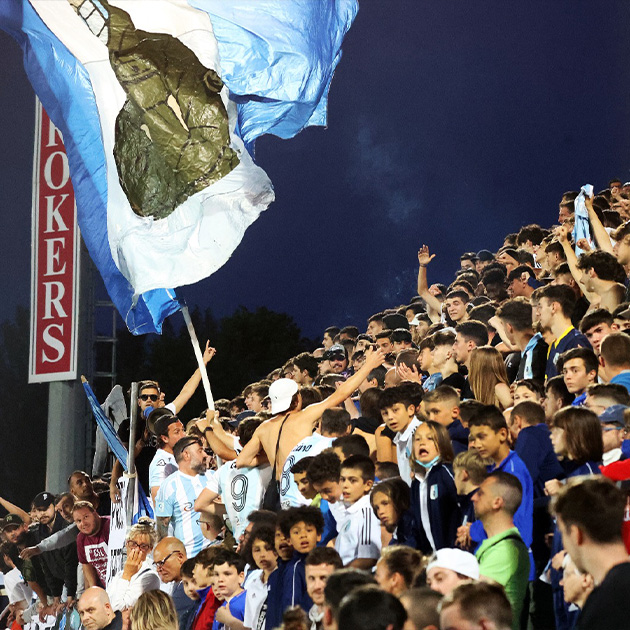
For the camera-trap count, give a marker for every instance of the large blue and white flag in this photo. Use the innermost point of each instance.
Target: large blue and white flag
(153, 101)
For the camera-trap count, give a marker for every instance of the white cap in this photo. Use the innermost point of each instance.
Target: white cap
(281, 393)
(457, 560)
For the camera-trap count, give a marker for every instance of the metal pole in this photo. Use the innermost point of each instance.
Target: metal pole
(131, 456)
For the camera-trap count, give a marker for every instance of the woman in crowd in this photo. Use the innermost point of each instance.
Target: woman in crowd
(138, 575)
(488, 378)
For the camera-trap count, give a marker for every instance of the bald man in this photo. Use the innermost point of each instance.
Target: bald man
(96, 611)
(168, 557)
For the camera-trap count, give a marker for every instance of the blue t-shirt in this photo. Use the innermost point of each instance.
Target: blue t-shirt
(237, 609)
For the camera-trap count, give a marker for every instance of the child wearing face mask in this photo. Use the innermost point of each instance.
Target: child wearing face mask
(433, 492)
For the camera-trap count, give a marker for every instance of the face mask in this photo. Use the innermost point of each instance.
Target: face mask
(428, 465)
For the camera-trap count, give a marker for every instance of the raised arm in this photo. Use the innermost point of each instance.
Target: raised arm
(562, 234)
(248, 456)
(373, 358)
(434, 306)
(193, 382)
(14, 509)
(599, 231)
(212, 432)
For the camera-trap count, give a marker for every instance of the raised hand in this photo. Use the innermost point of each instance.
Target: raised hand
(424, 257)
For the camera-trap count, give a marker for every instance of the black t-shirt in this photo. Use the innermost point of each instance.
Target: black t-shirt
(367, 425)
(608, 606)
(456, 380)
(144, 458)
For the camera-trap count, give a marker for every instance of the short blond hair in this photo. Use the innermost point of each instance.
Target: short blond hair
(473, 464)
(154, 610)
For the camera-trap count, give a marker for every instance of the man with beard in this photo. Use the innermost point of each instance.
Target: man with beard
(61, 564)
(81, 487)
(176, 497)
(92, 543)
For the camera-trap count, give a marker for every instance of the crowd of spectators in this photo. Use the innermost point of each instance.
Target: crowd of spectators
(459, 464)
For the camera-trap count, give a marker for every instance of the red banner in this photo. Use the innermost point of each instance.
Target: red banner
(55, 259)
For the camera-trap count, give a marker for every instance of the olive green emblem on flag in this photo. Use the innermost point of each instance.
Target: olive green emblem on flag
(172, 135)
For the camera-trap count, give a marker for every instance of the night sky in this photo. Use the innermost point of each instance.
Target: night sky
(450, 124)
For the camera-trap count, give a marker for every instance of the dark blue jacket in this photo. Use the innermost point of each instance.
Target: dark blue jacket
(288, 589)
(459, 436)
(534, 447)
(405, 531)
(444, 514)
(573, 339)
(466, 507)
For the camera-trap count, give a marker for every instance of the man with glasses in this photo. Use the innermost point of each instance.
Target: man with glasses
(151, 397)
(176, 497)
(168, 557)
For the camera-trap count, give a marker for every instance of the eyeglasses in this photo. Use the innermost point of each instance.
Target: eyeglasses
(132, 544)
(160, 563)
(151, 397)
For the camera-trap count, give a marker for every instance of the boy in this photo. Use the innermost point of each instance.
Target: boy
(578, 367)
(442, 406)
(334, 423)
(359, 539)
(398, 412)
(300, 479)
(229, 572)
(489, 435)
(469, 471)
(201, 581)
(303, 527)
(348, 445)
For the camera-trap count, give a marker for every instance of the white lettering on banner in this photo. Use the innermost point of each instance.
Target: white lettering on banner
(49, 166)
(55, 260)
(52, 256)
(54, 135)
(51, 300)
(52, 213)
(117, 532)
(54, 343)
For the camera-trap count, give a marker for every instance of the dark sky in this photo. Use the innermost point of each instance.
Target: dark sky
(450, 123)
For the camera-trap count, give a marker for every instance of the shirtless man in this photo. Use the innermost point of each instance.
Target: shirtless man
(300, 423)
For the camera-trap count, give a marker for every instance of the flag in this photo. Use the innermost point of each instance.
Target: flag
(278, 58)
(582, 226)
(142, 506)
(165, 187)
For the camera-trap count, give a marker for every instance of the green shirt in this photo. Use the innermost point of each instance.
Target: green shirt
(504, 558)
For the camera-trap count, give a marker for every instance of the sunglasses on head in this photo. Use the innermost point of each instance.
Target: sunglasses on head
(151, 397)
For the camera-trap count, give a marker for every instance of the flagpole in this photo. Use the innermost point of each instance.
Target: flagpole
(199, 357)
(131, 455)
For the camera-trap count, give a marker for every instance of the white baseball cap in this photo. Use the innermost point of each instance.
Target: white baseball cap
(281, 393)
(457, 560)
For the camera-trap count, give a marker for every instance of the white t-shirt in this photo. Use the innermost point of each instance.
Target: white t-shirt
(360, 534)
(242, 491)
(309, 447)
(255, 601)
(162, 465)
(17, 589)
(404, 448)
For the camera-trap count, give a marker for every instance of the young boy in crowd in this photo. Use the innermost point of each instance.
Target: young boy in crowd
(399, 414)
(202, 579)
(469, 470)
(323, 474)
(578, 367)
(348, 445)
(229, 569)
(303, 527)
(442, 406)
(300, 478)
(359, 539)
(489, 436)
